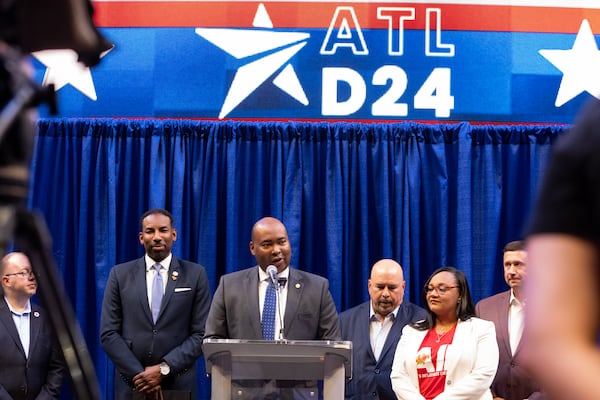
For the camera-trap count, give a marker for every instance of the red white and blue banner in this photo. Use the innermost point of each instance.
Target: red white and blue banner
(482, 61)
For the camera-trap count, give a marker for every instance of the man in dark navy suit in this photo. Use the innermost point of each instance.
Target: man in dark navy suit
(375, 327)
(153, 316)
(31, 365)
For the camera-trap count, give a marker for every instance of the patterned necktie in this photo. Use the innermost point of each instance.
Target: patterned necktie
(269, 311)
(157, 292)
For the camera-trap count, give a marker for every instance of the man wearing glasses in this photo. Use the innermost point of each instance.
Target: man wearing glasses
(30, 359)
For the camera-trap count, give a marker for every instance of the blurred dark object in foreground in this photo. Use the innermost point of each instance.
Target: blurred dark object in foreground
(27, 26)
(34, 25)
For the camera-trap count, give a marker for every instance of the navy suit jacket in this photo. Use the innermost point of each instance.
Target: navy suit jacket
(38, 376)
(370, 378)
(310, 313)
(512, 382)
(133, 341)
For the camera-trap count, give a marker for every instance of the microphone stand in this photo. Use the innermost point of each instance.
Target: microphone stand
(279, 288)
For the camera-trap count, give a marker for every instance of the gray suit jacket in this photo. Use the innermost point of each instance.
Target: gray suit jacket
(310, 313)
(371, 378)
(512, 382)
(38, 376)
(132, 340)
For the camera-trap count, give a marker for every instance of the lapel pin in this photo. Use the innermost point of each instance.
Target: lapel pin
(174, 275)
(36, 314)
(297, 286)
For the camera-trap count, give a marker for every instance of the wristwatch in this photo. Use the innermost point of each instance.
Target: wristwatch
(164, 368)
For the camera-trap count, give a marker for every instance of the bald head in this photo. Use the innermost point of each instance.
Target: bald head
(267, 224)
(18, 280)
(386, 286)
(14, 259)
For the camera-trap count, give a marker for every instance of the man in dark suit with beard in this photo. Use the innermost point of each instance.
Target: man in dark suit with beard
(375, 327)
(153, 316)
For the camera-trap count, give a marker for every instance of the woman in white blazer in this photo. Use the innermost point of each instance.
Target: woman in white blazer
(451, 355)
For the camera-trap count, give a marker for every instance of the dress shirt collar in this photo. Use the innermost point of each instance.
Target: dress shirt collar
(262, 275)
(514, 301)
(27, 309)
(375, 317)
(166, 262)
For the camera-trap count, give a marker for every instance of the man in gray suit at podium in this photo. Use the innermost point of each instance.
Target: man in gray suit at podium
(306, 310)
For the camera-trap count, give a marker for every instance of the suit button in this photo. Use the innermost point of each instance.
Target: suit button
(377, 370)
(154, 332)
(374, 394)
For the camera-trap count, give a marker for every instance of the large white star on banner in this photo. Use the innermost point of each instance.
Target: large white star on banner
(62, 68)
(580, 66)
(274, 50)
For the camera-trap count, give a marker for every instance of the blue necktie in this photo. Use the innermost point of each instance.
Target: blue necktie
(157, 292)
(269, 311)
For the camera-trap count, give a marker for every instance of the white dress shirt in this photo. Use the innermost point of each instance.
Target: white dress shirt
(23, 323)
(515, 322)
(380, 329)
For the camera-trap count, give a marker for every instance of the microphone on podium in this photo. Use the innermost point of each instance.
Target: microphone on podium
(272, 271)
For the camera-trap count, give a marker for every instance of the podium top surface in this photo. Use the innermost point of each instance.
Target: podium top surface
(276, 356)
(341, 344)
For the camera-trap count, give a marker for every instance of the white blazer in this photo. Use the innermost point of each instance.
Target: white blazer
(471, 360)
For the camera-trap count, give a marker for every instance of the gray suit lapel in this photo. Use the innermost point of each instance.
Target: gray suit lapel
(294, 294)
(250, 286)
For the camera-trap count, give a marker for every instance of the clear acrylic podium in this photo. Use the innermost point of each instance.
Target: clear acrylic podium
(265, 362)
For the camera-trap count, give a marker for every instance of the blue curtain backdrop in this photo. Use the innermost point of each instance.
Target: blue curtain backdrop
(349, 193)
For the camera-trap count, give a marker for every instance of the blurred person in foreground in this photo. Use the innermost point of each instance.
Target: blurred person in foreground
(563, 292)
(31, 364)
(451, 354)
(374, 327)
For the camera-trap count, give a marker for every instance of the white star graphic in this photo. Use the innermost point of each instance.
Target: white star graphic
(278, 48)
(580, 66)
(62, 68)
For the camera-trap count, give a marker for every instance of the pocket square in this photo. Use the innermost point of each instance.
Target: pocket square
(183, 289)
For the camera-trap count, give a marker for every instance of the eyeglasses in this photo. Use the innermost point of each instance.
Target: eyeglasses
(442, 289)
(23, 274)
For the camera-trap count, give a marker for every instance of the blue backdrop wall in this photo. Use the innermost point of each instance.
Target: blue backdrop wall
(349, 193)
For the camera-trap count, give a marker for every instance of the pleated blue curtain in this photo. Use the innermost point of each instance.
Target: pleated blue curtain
(349, 194)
